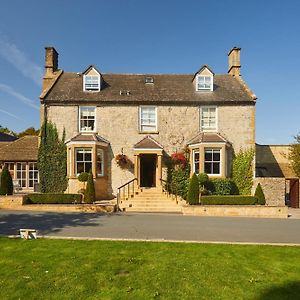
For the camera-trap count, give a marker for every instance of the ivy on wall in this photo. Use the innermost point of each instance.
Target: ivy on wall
(242, 172)
(294, 155)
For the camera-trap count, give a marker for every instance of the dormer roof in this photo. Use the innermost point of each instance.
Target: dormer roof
(90, 67)
(203, 69)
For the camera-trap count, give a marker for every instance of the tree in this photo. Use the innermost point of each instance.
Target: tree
(6, 130)
(6, 183)
(89, 195)
(52, 160)
(259, 194)
(193, 191)
(243, 171)
(29, 131)
(294, 155)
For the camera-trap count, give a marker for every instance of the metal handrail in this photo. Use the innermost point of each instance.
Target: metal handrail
(122, 189)
(169, 187)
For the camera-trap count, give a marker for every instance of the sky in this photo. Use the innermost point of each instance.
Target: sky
(158, 36)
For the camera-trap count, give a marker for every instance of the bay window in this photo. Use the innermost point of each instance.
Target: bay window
(212, 161)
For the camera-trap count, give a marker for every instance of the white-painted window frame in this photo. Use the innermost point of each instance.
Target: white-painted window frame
(140, 118)
(76, 161)
(211, 88)
(220, 161)
(196, 151)
(216, 118)
(35, 173)
(79, 118)
(92, 90)
(99, 150)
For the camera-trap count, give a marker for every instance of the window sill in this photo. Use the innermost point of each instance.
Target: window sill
(148, 132)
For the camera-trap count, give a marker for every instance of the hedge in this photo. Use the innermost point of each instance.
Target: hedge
(53, 198)
(228, 200)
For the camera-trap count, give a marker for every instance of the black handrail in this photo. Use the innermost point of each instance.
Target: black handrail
(122, 188)
(170, 188)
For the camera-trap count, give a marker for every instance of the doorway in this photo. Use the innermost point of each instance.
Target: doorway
(294, 193)
(148, 170)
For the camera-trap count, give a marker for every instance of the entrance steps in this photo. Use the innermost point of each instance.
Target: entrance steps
(150, 200)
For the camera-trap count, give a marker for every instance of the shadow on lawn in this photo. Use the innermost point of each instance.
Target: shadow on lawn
(45, 222)
(289, 291)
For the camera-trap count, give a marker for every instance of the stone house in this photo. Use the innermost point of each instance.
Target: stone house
(141, 119)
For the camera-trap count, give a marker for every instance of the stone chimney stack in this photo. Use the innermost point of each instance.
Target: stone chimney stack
(234, 62)
(51, 60)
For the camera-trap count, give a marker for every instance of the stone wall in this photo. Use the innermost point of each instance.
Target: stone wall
(273, 188)
(177, 124)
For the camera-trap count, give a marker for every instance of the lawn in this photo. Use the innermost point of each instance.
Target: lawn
(68, 269)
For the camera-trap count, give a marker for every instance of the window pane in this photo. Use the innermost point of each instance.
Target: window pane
(216, 168)
(216, 156)
(207, 168)
(208, 156)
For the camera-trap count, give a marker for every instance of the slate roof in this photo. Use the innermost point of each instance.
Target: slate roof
(167, 88)
(22, 149)
(88, 138)
(148, 143)
(207, 137)
(4, 137)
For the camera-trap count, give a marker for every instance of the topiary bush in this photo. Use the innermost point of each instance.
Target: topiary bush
(259, 194)
(228, 200)
(6, 183)
(223, 186)
(179, 180)
(53, 198)
(83, 177)
(89, 195)
(193, 190)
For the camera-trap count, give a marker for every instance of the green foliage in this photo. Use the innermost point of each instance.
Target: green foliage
(294, 155)
(259, 194)
(29, 131)
(223, 186)
(89, 195)
(193, 191)
(179, 179)
(83, 177)
(203, 183)
(6, 184)
(53, 198)
(243, 171)
(52, 160)
(7, 130)
(228, 200)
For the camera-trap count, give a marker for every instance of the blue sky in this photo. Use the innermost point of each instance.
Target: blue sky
(158, 36)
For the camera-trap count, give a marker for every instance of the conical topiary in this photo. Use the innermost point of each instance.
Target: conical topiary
(89, 195)
(259, 194)
(6, 183)
(193, 191)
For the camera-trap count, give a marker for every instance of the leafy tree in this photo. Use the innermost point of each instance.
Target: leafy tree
(294, 155)
(6, 183)
(193, 191)
(243, 171)
(52, 160)
(259, 194)
(29, 131)
(89, 195)
(6, 130)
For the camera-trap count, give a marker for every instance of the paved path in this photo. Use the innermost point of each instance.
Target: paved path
(153, 226)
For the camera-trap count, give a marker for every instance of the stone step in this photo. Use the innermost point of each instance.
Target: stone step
(130, 204)
(153, 209)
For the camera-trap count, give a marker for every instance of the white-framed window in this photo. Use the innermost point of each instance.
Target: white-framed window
(83, 160)
(21, 174)
(208, 118)
(196, 161)
(91, 83)
(87, 118)
(212, 161)
(148, 118)
(33, 174)
(204, 83)
(100, 162)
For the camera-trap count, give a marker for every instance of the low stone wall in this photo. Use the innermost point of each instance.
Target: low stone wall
(12, 201)
(236, 211)
(273, 188)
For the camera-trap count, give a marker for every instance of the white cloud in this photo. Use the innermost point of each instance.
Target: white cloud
(18, 59)
(9, 90)
(10, 114)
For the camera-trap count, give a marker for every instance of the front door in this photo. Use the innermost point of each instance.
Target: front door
(294, 193)
(148, 170)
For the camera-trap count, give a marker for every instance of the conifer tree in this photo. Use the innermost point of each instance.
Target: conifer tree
(89, 195)
(6, 183)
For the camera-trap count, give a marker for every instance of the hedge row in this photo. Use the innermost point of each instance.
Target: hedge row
(228, 200)
(53, 198)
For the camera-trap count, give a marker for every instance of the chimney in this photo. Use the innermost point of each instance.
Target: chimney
(234, 62)
(51, 60)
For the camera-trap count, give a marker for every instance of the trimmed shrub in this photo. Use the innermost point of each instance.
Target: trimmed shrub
(53, 198)
(83, 177)
(259, 194)
(193, 191)
(179, 180)
(203, 179)
(89, 195)
(6, 183)
(223, 186)
(228, 200)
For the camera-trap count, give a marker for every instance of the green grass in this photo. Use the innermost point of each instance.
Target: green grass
(67, 269)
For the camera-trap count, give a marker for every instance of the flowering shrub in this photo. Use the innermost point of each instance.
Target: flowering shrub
(123, 161)
(179, 158)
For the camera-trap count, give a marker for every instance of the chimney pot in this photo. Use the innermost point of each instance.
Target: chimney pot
(234, 62)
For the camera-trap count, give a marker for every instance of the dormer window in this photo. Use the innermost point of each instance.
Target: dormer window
(204, 79)
(204, 83)
(91, 82)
